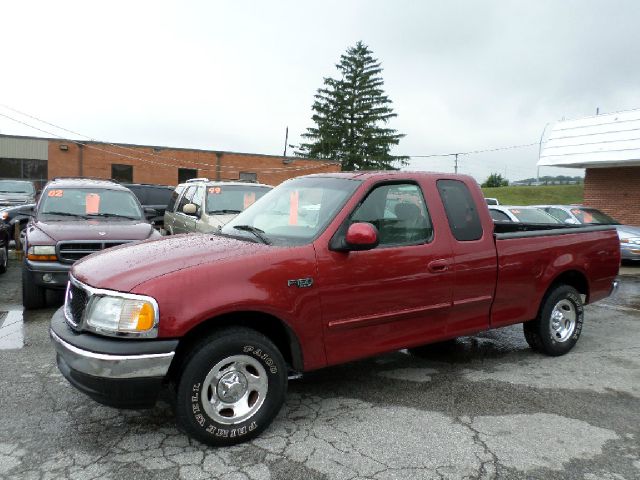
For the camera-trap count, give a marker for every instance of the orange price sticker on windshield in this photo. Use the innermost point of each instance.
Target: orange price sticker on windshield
(92, 203)
(293, 208)
(249, 199)
(215, 190)
(55, 193)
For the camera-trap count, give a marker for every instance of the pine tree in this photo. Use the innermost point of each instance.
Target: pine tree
(350, 116)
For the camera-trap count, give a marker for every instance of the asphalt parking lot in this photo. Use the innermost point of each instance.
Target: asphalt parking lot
(487, 408)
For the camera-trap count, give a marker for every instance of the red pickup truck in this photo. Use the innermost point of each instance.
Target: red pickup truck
(322, 270)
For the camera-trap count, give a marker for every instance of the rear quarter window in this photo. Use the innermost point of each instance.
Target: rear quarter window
(461, 210)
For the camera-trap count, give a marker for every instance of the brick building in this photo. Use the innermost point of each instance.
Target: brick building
(41, 159)
(608, 147)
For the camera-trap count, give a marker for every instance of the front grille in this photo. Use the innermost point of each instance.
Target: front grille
(69, 252)
(75, 304)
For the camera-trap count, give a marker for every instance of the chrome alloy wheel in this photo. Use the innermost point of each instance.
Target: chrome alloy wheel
(563, 320)
(234, 389)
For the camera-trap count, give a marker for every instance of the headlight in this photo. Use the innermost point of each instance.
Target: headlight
(42, 253)
(113, 315)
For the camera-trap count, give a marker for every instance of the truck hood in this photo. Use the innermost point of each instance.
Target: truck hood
(95, 229)
(123, 268)
(15, 198)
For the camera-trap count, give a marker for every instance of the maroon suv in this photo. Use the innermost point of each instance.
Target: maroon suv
(74, 218)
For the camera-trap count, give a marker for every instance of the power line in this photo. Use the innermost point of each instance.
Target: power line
(473, 152)
(138, 152)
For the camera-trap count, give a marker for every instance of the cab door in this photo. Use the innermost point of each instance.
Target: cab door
(393, 296)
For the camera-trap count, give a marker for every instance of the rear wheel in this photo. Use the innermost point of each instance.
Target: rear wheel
(33, 296)
(232, 386)
(557, 328)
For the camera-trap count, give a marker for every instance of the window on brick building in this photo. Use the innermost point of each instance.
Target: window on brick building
(185, 174)
(248, 177)
(122, 173)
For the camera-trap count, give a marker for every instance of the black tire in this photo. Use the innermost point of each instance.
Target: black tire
(4, 258)
(258, 388)
(33, 296)
(559, 323)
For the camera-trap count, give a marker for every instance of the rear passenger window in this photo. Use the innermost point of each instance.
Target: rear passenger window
(460, 209)
(158, 196)
(399, 213)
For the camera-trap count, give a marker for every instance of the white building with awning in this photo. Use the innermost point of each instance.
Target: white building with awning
(608, 147)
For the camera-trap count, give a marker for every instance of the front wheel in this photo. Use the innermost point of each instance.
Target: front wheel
(33, 296)
(557, 328)
(231, 388)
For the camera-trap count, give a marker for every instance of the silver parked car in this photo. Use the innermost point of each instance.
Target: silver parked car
(579, 215)
(205, 206)
(504, 213)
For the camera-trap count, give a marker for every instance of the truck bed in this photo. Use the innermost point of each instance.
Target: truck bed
(528, 264)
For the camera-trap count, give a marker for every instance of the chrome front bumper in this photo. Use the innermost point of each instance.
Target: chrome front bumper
(112, 366)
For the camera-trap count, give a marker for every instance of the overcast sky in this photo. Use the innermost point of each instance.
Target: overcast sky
(462, 75)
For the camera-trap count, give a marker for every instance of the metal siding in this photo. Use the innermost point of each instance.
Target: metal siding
(24, 148)
(604, 140)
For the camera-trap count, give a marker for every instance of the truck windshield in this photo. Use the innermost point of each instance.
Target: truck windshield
(16, 186)
(89, 203)
(295, 212)
(232, 198)
(591, 215)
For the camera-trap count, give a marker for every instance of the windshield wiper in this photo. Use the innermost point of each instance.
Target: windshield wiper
(256, 231)
(66, 214)
(113, 215)
(225, 211)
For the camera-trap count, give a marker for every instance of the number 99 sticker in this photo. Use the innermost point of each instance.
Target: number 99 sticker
(215, 190)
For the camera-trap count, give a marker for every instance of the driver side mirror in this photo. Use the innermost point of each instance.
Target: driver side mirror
(359, 236)
(191, 209)
(28, 210)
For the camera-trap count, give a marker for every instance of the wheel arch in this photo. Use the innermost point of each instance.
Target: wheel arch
(270, 326)
(572, 278)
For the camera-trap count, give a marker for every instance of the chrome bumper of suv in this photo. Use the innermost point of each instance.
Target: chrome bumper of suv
(112, 366)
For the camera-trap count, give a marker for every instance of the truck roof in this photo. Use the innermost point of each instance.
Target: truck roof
(390, 174)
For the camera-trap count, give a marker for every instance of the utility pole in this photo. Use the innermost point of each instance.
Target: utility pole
(455, 167)
(286, 140)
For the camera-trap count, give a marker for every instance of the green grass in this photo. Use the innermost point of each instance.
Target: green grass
(545, 194)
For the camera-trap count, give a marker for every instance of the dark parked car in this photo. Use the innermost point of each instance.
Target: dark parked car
(74, 218)
(153, 196)
(17, 192)
(10, 216)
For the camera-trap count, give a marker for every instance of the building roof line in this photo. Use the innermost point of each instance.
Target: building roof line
(160, 147)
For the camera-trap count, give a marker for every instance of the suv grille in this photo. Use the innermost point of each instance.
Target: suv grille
(75, 304)
(69, 252)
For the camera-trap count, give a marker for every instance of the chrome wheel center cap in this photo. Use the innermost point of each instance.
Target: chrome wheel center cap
(232, 387)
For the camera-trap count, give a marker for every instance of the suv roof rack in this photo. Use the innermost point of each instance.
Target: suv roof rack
(200, 179)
